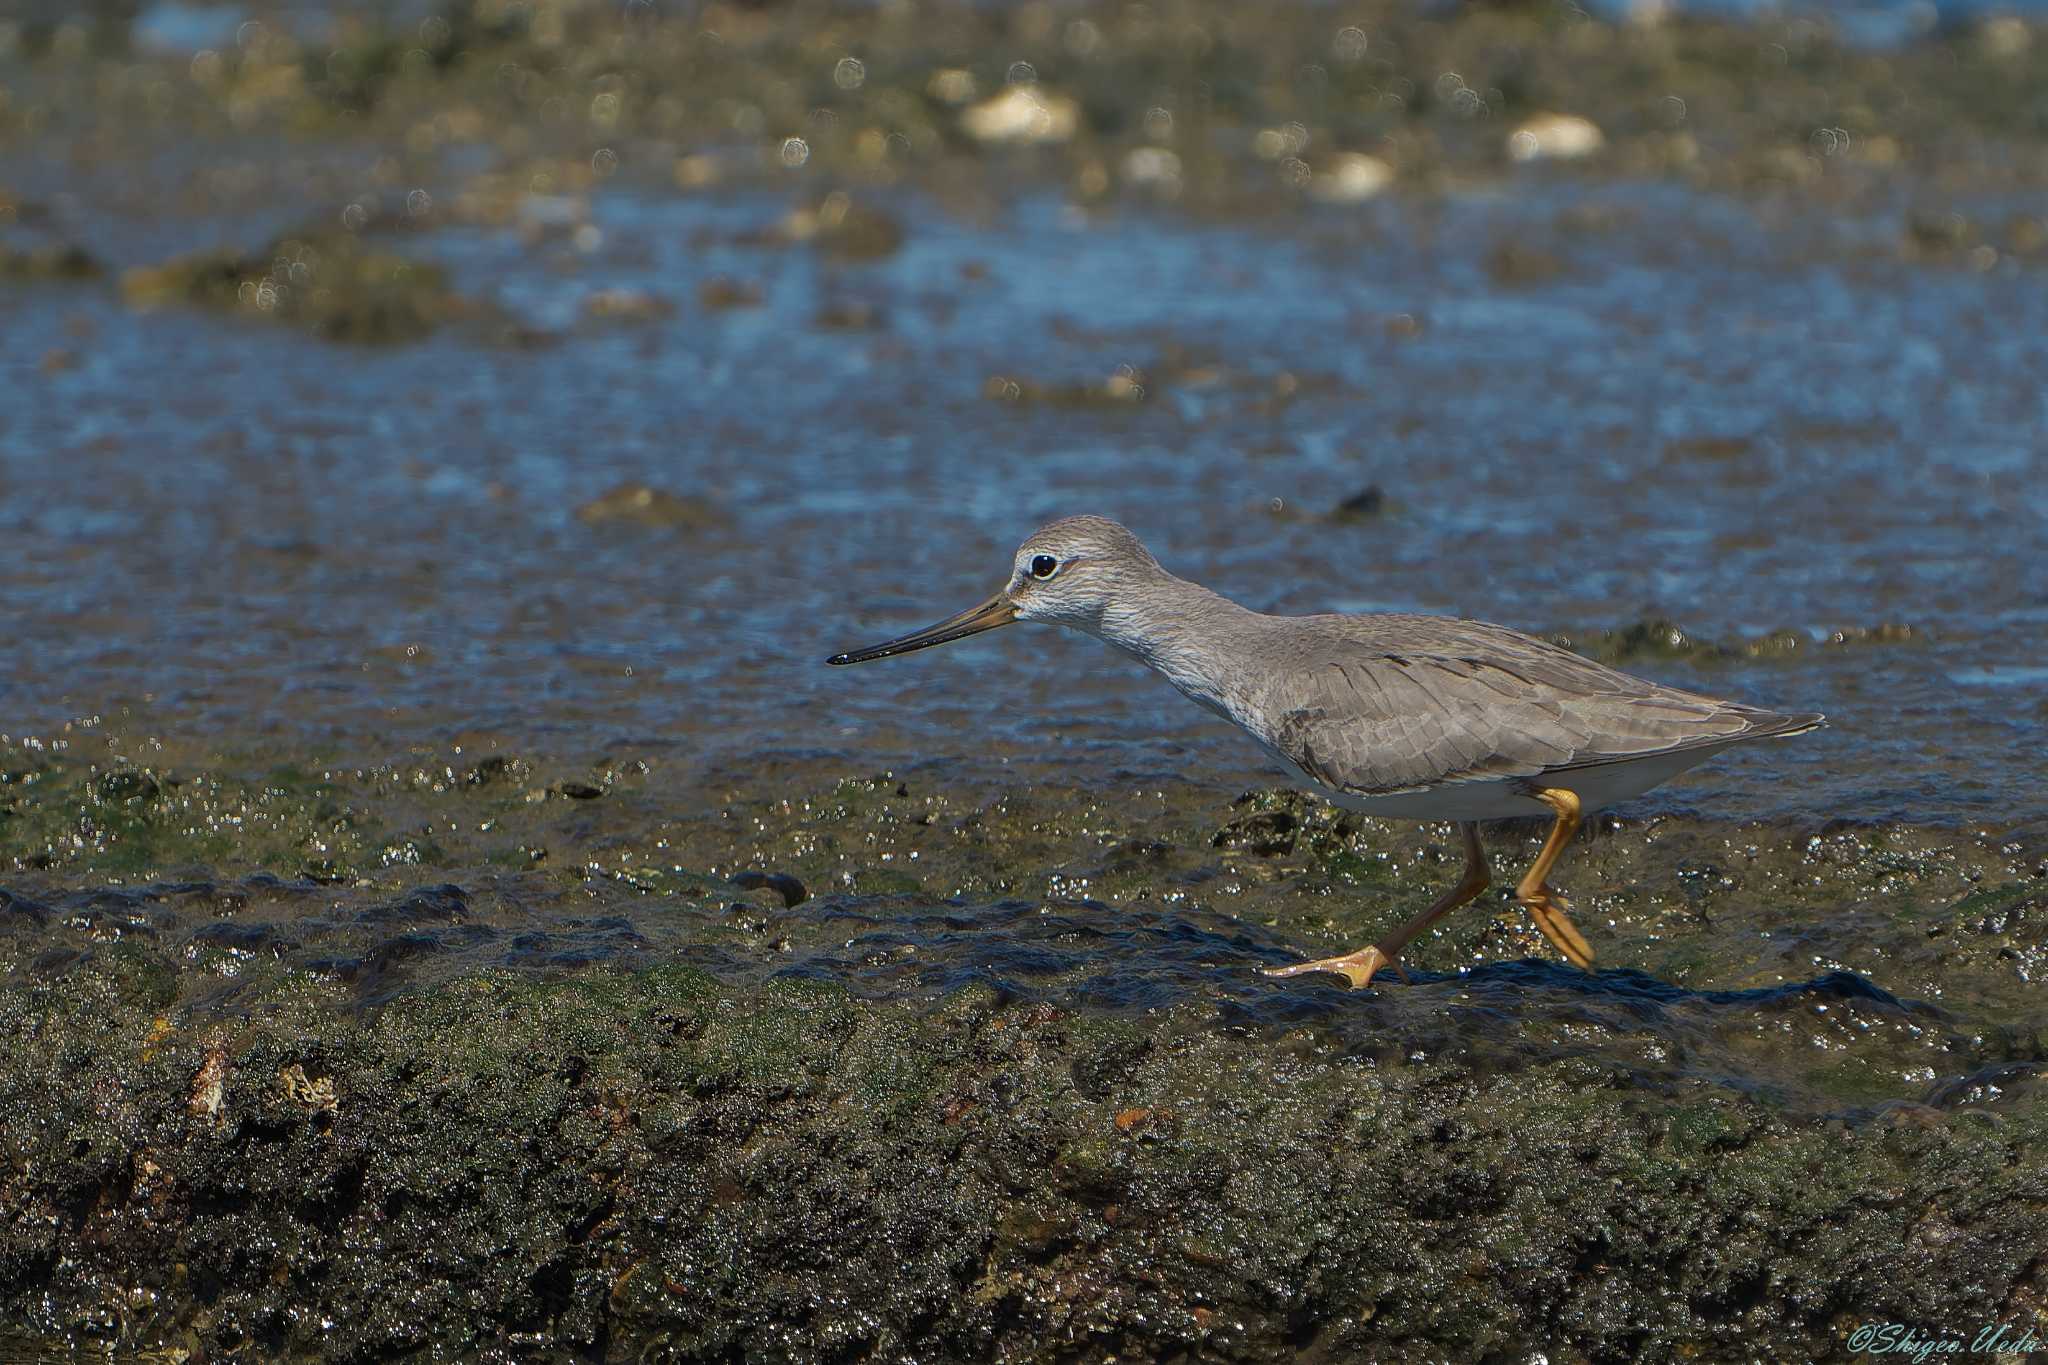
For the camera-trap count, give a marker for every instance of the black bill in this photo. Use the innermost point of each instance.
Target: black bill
(997, 611)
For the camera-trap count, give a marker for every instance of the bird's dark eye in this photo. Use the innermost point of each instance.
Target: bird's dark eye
(1044, 566)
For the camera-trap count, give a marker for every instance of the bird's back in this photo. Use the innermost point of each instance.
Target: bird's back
(1393, 703)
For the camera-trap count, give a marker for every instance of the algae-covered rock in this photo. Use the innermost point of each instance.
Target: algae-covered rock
(845, 227)
(792, 1172)
(56, 261)
(1660, 638)
(654, 508)
(884, 1070)
(333, 284)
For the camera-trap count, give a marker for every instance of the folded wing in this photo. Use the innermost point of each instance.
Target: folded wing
(1495, 704)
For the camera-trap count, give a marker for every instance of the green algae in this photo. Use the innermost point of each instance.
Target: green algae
(1662, 639)
(123, 820)
(651, 1158)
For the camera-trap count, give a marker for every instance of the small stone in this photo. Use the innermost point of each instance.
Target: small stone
(1555, 137)
(60, 262)
(1153, 167)
(1513, 263)
(1350, 178)
(655, 508)
(1363, 505)
(626, 305)
(1022, 114)
(781, 883)
(719, 293)
(849, 316)
(951, 85)
(845, 227)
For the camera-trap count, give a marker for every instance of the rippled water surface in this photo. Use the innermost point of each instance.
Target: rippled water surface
(1584, 406)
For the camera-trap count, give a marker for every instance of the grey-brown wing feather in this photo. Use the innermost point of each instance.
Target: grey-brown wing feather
(1471, 702)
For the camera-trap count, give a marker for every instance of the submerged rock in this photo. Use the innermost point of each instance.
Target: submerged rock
(55, 261)
(333, 284)
(1367, 504)
(1514, 264)
(720, 293)
(845, 227)
(644, 1094)
(1658, 637)
(1122, 388)
(640, 505)
(626, 306)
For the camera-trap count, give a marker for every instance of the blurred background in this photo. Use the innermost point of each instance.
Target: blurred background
(380, 379)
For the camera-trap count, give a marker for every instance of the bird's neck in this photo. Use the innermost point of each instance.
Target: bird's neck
(1177, 627)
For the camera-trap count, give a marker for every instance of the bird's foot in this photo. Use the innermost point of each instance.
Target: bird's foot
(1356, 968)
(1548, 908)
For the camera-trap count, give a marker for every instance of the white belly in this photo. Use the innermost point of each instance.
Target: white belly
(1506, 798)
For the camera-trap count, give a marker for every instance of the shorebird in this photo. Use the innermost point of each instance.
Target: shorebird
(1413, 717)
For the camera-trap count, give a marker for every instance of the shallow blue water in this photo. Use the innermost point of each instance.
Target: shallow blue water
(1734, 415)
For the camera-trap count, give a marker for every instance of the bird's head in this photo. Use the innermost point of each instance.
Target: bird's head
(1069, 572)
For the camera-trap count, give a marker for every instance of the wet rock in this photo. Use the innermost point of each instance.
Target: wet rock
(1367, 504)
(2025, 235)
(605, 1072)
(1267, 833)
(850, 315)
(698, 171)
(17, 910)
(235, 937)
(720, 293)
(1654, 638)
(55, 262)
(951, 85)
(2004, 37)
(1660, 638)
(626, 306)
(1350, 178)
(1152, 168)
(637, 504)
(781, 883)
(127, 787)
(1555, 137)
(334, 285)
(429, 905)
(563, 1159)
(1993, 1084)
(498, 768)
(1123, 388)
(1932, 232)
(1515, 264)
(1708, 448)
(845, 227)
(15, 210)
(1885, 633)
(1022, 114)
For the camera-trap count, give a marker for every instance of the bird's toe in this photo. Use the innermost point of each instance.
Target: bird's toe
(1356, 968)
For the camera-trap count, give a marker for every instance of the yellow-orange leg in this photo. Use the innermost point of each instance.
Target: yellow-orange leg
(1358, 967)
(1545, 906)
